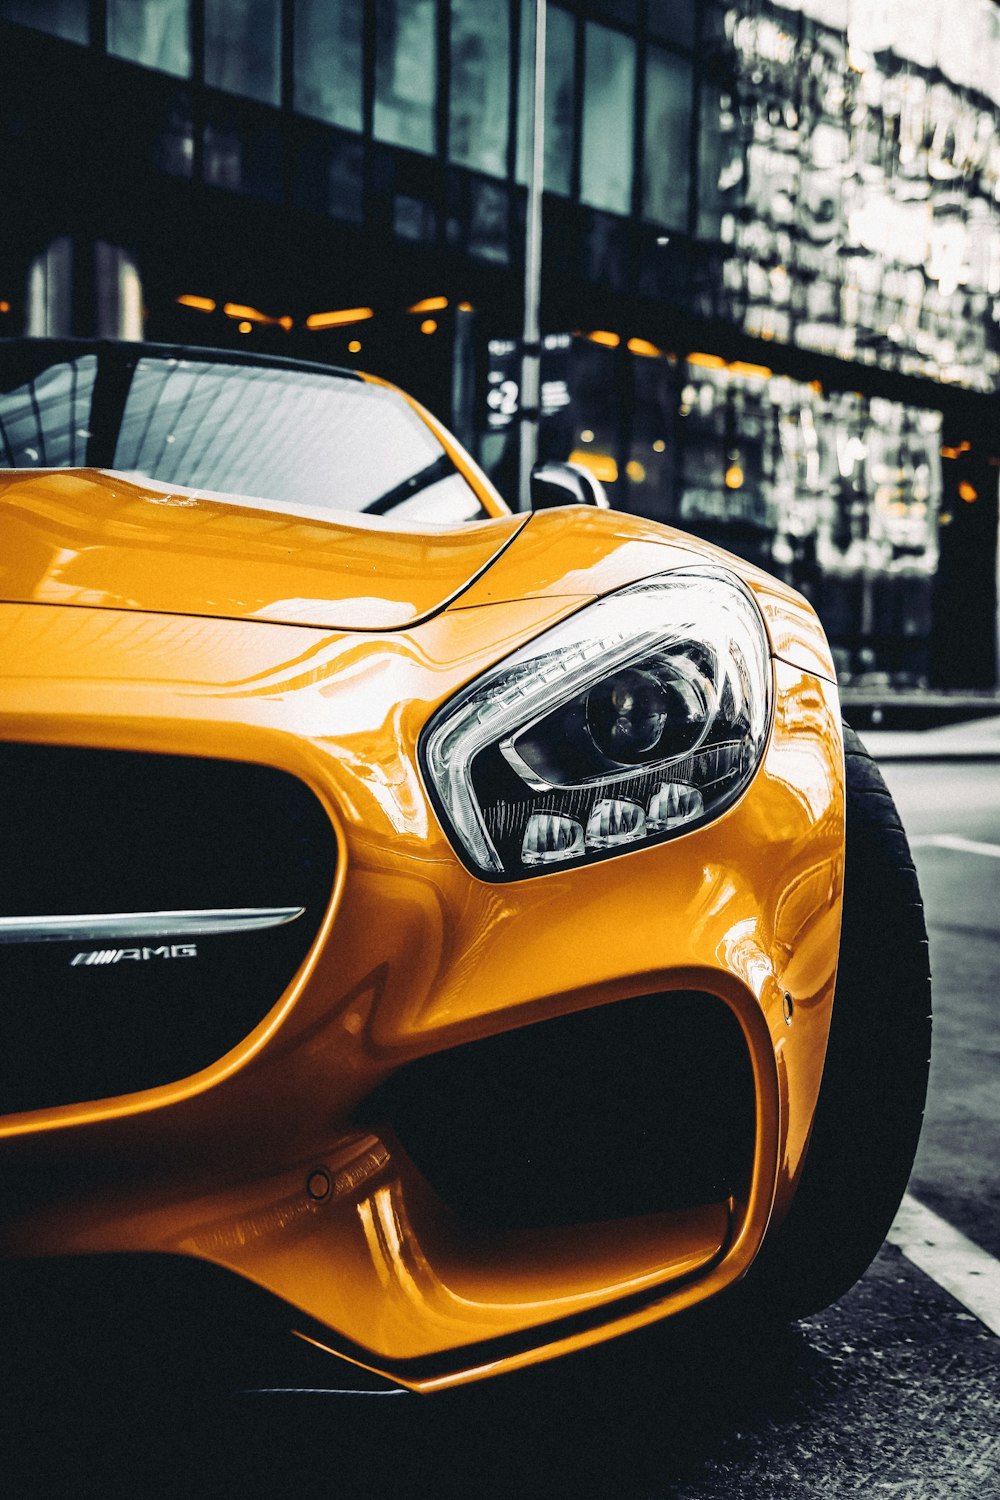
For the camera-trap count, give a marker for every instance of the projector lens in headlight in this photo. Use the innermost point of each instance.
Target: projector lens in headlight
(634, 720)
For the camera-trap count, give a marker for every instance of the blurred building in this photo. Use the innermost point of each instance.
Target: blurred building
(772, 250)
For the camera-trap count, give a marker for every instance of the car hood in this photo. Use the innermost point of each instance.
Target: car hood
(92, 537)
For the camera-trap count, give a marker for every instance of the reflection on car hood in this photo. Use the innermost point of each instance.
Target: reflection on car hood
(90, 537)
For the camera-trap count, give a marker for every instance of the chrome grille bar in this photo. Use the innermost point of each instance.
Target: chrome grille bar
(94, 926)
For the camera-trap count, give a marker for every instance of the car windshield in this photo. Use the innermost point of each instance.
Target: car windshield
(290, 434)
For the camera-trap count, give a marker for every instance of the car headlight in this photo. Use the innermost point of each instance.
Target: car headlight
(638, 718)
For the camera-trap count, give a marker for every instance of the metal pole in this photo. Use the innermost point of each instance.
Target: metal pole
(531, 337)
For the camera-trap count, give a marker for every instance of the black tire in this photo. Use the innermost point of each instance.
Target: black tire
(871, 1101)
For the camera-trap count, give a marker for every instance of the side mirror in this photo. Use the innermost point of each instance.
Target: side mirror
(566, 484)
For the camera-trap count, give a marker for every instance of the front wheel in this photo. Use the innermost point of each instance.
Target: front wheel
(871, 1103)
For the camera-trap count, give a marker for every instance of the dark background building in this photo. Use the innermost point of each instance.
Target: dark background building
(771, 267)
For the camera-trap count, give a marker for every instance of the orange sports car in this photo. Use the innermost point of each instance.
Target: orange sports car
(475, 929)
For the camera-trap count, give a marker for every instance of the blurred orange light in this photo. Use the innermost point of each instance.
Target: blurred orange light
(967, 492)
(601, 465)
(659, 446)
(752, 372)
(429, 304)
(244, 327)
(734, 477)
(428, 326)
(636, 471)
(354, 347)
(4, 306)
(338, 318)
(645, 348)
(246, 314)
(202, 304)
(466, 307)
(707, 361)
(602, 336)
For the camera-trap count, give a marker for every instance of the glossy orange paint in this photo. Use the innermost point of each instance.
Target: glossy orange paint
(416, 954)
(84, 536)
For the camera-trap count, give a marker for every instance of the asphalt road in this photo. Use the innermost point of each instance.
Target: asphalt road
(957, 1170)
(894, 1392)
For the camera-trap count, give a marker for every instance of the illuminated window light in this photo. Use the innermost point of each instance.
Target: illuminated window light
(707, 361)
(734, 477)
(429, 304)
(428, 326)
(967, 492)
(645, 348)
(339, 318)
(603, 336)
(354, 347)
(201, 304)
(245, 314)
(751, 372)
(601, 465)
(659, 446)
(244, 327)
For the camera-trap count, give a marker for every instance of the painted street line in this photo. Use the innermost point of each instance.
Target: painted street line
(947, 1257)
(953, 841)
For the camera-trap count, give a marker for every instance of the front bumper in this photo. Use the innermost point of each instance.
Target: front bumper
(265, 1162)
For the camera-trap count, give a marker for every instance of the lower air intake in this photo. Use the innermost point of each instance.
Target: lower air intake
(639, 1107)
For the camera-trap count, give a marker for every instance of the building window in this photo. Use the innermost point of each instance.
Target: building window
(480, 76)
(608, 119)
(328, 60)
(65, 18)
(672, 21)
(560, 32)
(666, 163)
(405, 73)
(154, 33)
(242, 44)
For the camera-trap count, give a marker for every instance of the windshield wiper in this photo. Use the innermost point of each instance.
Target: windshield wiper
(439, 469)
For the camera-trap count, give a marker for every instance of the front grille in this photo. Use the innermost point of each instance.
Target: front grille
(101, 831)
(639, 1107)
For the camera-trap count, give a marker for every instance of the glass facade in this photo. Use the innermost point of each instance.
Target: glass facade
(155, 33)
(608, 119)
(242, 47)
(666, 177)
(329, 62)
(480, 86)
(406, 73)
(850, 170)
(69, 19)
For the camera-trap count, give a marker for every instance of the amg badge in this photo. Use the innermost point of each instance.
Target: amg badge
(136, 955)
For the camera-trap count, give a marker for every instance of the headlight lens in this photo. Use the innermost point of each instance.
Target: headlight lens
(638, 718)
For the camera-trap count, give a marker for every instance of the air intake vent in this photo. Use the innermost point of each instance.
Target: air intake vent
(153, 908)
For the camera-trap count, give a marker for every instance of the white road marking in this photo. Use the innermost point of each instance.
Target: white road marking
(947, 1257)
(954, 841)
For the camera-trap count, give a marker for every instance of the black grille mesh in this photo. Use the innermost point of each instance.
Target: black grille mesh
(85, 831)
